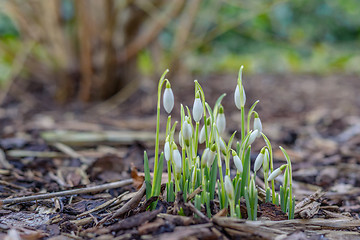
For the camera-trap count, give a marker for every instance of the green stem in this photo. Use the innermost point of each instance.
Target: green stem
(243, 124)
(161, 82)
(196, 138)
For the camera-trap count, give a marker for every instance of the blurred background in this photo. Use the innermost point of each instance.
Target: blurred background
(90, 50)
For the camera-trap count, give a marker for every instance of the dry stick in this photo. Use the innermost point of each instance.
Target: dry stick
(98, 188)
(131, 203)
(196, 211)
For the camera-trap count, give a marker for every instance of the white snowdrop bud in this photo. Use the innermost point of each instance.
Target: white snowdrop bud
(202, 136)
(211, 156)
(229, 188)
(237, 161)
(168, 98)
(177, 161)
(259, 160)
(253, 136)
(257, 124)
(221, 121)
(239, 97)
(266, 160)
(197, 108)
(167, 149)
(222, 144)
(205, 157)
(186, 131)
(276, 172)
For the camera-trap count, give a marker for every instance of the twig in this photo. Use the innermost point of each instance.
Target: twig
(196, 211)
(194, 193)
(98, 188)
(71, 152)
(3, 161)
(131, 203)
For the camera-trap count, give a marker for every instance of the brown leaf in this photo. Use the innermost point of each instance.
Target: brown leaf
(138, 179)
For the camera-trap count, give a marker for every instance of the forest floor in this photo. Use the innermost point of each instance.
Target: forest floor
(48, 149)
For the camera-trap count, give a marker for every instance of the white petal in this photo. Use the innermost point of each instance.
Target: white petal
(237, 97)
(197, 110)
(258, 126)
(258, 162)
(221, 123)
(222, 144)
(266, 160)
(205, 157)
(202, 136)
(187, 131)
(253, 136)
(243, 97)
(168, 100)
(238, 163)
(210, 159)
(167, 151)
(177, 161)
(229, 189)
(274, 174)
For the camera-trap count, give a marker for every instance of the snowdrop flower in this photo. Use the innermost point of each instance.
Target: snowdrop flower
(221, 121)
(237, 161)
(259, 160)
(229, 188)
(266, 160)
(222, 144)
(167, 149)
(205, 157)
(186, 132)
(197, 108)
(177, 161)
(276, 172)
(253, 136)
(168, 98)
(239, 99)
(211, 156)
(257, 124)
(202, 135)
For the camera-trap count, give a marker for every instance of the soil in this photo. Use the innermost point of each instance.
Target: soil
(47, 148)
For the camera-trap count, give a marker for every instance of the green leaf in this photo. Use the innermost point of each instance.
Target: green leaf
(147, 176)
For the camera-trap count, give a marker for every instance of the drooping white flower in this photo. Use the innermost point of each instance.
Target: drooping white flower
(202, 136)
(253, 136)
(237, 162)
(239, 97)
(257, 124)
(276, 172)
(177, 161)
(259, 161)
(222, 144)
(266, 160)
(229, 188)
(205, 157)
(197, 109)
(168, 98)
(211, 156)
(221, 121)
(167, 150)
(186, 131)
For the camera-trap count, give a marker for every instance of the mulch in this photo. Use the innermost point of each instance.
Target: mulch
(92, 160)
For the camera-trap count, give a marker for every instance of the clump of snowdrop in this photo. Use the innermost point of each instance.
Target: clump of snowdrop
(199, 159)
